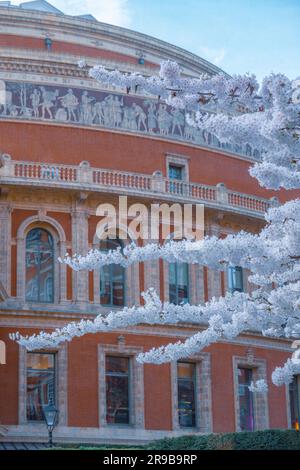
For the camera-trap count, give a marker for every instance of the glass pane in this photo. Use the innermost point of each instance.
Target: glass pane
(117, 409)
(117, 364)
(175, 172)
(117, 279)
(186, 394)
(186, 370)
(112, 277)
(178, 283)
(182, 282)
(40, 384)
(235, 278)
(294, 402)
(105, 290)
(46, 277)
(39, 266)
(117, 390)
(246, 400)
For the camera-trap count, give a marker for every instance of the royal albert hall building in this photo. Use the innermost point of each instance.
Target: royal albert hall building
(68, 144)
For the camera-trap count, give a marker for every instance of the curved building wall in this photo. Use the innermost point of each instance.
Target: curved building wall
(67, 145)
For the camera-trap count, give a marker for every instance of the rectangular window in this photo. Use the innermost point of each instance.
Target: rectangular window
(117, 389)
(178, 283)
(294, 402)
(186, 375)
(246, 399)
(175, 172)
(40, 384)
(235, 278)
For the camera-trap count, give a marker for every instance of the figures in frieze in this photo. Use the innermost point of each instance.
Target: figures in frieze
(151, 116)
(13, 110)
(35, 99)
(61, 115)
(48, 100)
(189, 132)
(129, 119)
(126, 118)
(98, 113)
(117, 111)
(86, 114)
(177, 121)
(104, 108)
(70, 102)
(164, 119)
(108, 109)
(140, 115)
(6, 102)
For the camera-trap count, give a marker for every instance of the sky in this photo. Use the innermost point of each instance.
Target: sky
(239, 36)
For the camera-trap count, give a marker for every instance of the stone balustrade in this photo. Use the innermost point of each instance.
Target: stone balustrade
(84, 177)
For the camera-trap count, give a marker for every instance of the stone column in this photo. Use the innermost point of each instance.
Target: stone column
(213, 275)
(5, 246)
(80, 246)
(152, 275)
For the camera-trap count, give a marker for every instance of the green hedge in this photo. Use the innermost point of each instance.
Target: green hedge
(274, 439)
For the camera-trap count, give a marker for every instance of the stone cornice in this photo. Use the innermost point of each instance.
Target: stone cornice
(12, 20)
(40, 60)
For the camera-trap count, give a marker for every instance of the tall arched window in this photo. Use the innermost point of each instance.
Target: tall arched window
(178, 283)
(112, 277)
(39, 266)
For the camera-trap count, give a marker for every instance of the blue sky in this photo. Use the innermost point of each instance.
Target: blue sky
(259, 36)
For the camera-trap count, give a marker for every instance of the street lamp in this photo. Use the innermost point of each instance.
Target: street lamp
(50, 415)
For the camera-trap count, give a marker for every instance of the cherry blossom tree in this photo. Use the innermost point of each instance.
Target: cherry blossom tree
(238, 110)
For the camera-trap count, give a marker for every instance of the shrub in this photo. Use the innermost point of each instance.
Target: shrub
(272, 439)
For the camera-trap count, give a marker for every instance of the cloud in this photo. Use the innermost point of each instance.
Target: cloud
(115, 12)
(110, 11)
(215, 56)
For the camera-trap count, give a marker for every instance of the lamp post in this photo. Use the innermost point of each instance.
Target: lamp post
(50, 415)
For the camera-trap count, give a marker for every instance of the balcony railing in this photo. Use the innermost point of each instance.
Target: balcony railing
(85, 178)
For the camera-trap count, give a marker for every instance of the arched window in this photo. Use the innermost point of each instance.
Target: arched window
(39, 266)
(112, 277)
(178, 283)
(235, 279)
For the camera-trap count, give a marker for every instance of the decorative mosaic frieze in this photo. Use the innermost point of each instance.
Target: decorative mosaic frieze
(105, 109)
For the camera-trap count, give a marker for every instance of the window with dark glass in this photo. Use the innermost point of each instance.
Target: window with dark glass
(235, 279)
(175, 172)
(186, 374)
(39, 266)
(117, 390)
(246, 399)
(178, 283)
(295, 402)
(40, 384)
(112, 277)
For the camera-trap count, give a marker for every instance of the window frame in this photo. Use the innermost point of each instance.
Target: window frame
(260, 400)
(55, 367)
(129, 388)
(297, 377)
(136, 387)
(38, 300)
(230, 276)
(176, 264)
(203, 394)
(194, 380)
(111, 267)
(250, 396)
